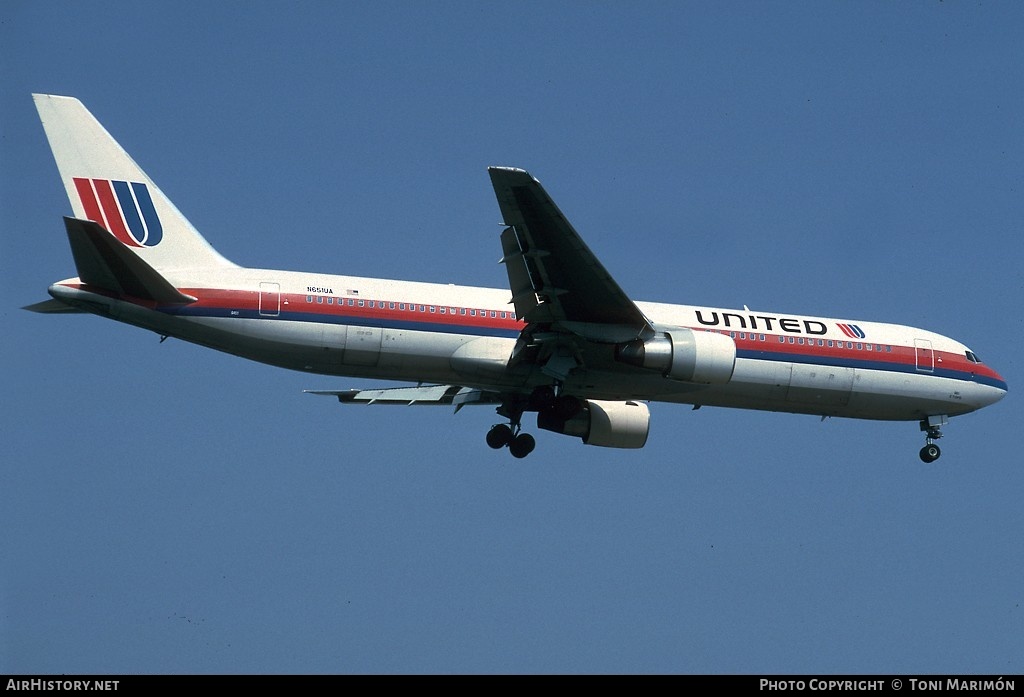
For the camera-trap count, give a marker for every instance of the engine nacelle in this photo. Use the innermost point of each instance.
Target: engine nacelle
(597, 422)
(683, 354)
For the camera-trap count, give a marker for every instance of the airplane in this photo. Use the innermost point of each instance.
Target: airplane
(563, 340)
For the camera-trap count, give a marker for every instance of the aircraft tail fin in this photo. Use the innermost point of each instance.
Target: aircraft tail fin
(107, 187)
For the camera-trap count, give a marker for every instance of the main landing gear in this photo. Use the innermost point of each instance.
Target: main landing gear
(549, 404)
(509, 435)
(932, 426)
(505, 435)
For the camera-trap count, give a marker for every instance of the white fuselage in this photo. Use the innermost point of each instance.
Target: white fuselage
(433, 333)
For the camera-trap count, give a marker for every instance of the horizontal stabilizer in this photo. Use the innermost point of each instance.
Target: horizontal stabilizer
(102, 261)
(52, 307)
(423, 394)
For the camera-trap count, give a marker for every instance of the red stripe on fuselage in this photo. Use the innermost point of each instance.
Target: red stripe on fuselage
(841, 350)
(226, 299)
(382, 310)
(880, 353)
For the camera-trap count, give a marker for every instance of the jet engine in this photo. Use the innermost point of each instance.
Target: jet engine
(608, 424)
(683, 354)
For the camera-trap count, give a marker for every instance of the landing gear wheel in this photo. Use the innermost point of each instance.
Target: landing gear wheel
(499, 436)
(930, 453)
(522, 445)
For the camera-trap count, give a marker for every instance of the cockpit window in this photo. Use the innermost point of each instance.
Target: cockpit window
(973, 357)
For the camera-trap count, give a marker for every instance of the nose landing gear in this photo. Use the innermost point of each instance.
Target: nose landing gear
(930, 453)
(932, 426)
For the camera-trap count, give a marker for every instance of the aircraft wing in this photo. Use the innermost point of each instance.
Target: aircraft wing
(556, 281)
(455, 395)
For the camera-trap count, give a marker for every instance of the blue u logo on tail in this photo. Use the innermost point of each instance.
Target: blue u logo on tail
(147, 231)
(124, 208)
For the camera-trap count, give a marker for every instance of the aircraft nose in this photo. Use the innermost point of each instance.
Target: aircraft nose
(993, 388)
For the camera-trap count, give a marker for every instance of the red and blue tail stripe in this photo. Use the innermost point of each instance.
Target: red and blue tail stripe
(124, 208)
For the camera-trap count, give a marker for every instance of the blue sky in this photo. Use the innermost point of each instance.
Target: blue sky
(169, 509)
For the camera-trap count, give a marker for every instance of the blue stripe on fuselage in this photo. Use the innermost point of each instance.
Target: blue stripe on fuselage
(476, 330)
(867, 364)
(347, 319)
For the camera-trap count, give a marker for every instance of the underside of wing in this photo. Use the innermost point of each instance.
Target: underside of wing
(437, 395)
